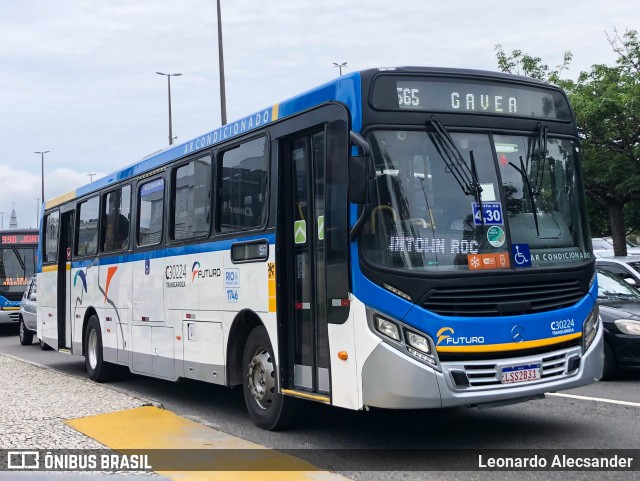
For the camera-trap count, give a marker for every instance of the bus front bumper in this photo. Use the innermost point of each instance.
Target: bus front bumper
(9, 316)
(391, 379)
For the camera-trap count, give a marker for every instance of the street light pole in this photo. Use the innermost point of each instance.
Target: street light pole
(91, 177)
(223, 95)
(340, 65)
(1, 220)
(169, 75)
(42, 165)
(37, 212)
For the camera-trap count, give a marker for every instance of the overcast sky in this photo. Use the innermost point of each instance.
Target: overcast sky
(77, 76)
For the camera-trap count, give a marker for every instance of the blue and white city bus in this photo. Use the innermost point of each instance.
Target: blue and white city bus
(395, 238)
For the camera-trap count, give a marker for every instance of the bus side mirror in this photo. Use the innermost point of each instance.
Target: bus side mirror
(360, 179)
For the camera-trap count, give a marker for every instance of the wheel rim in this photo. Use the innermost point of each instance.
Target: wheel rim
(92, 349)
(21, 327)
(261, 378)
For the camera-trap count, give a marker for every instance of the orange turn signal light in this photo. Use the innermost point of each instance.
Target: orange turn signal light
(178, 338)
(343, 355)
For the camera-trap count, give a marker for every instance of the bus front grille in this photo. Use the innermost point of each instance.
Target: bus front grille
(483, 374)
(484, 301)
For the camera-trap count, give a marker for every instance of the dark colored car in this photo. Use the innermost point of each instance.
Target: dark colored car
(620, 314)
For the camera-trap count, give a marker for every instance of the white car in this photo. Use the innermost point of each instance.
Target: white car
(603, 247)
(28, 316)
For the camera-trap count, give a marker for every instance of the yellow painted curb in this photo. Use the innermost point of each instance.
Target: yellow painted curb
(149, 427)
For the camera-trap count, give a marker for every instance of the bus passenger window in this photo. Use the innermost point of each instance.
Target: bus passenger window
(151, 205)
(51, 228)
(87, 234)
(192, 199)
(243, 186)
(115, 219)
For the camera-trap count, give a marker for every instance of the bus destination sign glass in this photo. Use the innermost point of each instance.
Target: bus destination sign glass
(468, 97)
(18, 239)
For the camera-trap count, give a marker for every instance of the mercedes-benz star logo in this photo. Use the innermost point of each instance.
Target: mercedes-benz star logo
(517, 333)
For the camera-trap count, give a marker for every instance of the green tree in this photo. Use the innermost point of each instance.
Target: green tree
(606, 101)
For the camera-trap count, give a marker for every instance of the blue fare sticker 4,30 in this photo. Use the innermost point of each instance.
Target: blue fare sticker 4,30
(491, 213)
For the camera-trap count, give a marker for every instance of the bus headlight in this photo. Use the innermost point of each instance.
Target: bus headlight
(628, 326)
(418, 341)
(387, 328)
(590, 328)
(419, 346)
(405, 339)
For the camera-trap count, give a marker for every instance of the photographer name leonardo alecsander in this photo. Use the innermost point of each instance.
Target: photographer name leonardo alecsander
(560, 461)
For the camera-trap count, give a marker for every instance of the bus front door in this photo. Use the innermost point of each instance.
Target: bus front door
(307, 334)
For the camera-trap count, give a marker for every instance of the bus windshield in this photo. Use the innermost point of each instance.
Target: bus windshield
(426, 216)
(16, 268)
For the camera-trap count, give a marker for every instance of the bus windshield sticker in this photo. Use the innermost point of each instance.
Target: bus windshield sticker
(496, 237)
(490, 214)
(521, 255)
(488, 192)
(506, 148)
(495, 260)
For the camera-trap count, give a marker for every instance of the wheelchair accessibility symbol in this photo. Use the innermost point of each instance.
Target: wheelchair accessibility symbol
(521, 255)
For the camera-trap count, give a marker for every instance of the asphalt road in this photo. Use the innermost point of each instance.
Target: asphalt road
(551, 423)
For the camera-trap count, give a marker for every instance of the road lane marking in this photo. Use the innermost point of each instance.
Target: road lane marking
(598, 399)
(149, 427)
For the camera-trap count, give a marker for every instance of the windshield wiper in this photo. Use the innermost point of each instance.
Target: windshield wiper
(15, 251)
(622, 295)
(530, 191)
(467, 178)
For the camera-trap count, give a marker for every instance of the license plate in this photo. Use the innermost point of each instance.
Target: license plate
(529, 372)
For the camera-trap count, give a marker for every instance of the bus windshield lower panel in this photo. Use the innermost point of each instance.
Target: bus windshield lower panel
(16, 267)
(429, 214)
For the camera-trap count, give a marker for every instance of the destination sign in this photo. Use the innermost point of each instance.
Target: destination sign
(18, 239)
(468, 97)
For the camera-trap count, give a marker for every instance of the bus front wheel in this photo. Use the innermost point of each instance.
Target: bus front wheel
(267, 407)
(95, 365)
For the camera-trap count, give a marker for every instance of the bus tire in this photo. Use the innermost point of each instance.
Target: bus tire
(26, 336)
(610, 369)
(97, 368)
(44, 346)
(268, 408)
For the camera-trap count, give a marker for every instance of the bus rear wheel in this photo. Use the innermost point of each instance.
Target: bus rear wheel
(268, 408)
(97, 368)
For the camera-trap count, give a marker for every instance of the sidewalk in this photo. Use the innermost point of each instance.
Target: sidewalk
(41, 408)
(34, 402)
(34, 405)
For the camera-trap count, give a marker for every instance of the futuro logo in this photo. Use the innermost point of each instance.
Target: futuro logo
(442, 336)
